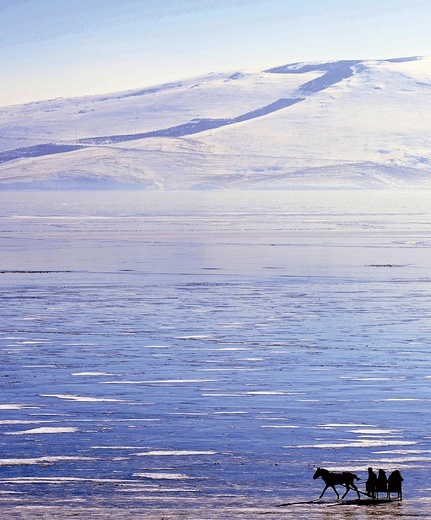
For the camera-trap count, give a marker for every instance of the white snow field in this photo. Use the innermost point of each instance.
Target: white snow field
(349, 124)
(171, 354)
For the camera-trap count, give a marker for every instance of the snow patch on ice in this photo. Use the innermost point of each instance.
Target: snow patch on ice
(343, 425)
(163, 476)
(17, 421)
(231, 413)
(159, 382)
(61, 480)
(95, 374)
(41, 460)
(401, 399)
(228, 349)
(280, 426)
(375, 431)
(356, 443)
(197, 336)
(80, 398)
(269, 392)
(44, 430)
(179, 453)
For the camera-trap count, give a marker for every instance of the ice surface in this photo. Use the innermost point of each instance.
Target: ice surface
(316, 323)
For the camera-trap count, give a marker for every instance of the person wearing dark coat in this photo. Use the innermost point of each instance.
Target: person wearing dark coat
(371, 483)
(395, 484)
(382, 483)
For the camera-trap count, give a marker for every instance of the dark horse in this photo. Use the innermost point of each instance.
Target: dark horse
(333, 479)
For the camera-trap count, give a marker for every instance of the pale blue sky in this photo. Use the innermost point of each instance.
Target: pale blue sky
(62, 48)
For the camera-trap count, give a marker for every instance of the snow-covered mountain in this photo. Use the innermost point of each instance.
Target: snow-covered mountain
(337, 124)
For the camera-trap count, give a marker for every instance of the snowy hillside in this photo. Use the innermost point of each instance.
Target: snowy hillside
(337, 124)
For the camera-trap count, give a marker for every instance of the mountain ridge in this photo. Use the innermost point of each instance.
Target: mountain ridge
(283, 127)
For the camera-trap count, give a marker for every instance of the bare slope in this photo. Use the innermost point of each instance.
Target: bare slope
(336, 124)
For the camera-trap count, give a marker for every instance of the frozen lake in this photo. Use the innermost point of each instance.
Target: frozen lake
(199, 354)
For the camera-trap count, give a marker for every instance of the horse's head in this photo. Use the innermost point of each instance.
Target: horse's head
(317, 473)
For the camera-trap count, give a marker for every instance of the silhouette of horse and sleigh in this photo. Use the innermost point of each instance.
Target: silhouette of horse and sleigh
(374, 485)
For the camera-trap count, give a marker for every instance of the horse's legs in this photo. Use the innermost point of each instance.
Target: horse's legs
(326, 487)
(356, 489)
(336, 492)
(349, 487)
(323, 492)
(347, 490)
